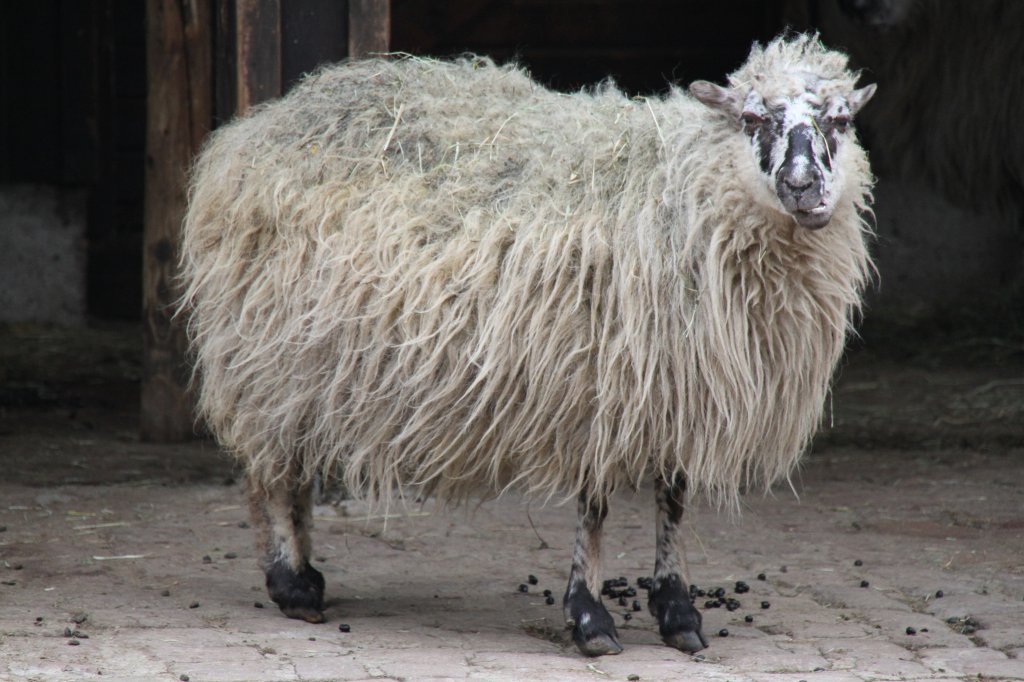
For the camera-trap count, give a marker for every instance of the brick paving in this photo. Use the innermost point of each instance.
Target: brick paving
(430, 594)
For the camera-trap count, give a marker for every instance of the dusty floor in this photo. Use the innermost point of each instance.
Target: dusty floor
(126, 560)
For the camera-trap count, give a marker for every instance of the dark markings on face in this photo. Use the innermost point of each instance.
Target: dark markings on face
(832, 144)
(764, 142)
(764, 125)
(799, 144)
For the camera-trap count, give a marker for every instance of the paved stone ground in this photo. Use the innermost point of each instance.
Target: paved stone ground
(105, 540)
(433, 595)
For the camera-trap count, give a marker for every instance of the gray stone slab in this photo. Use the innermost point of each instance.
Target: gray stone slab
(975, 662)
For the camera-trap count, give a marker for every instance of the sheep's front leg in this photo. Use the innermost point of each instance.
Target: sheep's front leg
(283, 516)
(593, 629)
(669, 601)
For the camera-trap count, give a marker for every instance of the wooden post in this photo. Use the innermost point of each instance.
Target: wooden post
(179, 110)
(225, 62)
(258, 56)
(369, 27)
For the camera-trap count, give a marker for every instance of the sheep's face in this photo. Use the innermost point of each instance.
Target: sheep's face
(796, 142)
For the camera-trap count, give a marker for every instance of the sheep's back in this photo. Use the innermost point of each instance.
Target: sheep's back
(404, 265)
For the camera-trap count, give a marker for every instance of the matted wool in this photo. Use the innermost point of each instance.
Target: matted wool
(441, 274)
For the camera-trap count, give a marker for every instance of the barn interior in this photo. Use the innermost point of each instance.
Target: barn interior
(94, 401)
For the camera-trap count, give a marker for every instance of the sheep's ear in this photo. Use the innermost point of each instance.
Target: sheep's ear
(716, 97)
(858, 98)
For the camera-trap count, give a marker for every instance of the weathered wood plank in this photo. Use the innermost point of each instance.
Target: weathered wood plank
(258, 51)
(369, 27)
(225, 67)
(312, 32)
(179, 113)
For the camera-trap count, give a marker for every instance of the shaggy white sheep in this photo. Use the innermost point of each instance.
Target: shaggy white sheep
(444, 275)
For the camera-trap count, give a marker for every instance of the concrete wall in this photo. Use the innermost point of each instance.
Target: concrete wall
(937, 258)
(42, 254)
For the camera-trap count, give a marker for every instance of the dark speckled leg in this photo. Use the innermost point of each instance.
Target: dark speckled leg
(678, 621)
(593, 630)
(282, 515)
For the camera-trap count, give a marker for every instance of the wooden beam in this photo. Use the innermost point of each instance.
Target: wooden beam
(369, 27)
(179, 110)
(258, 56)
(313, 32)
(225, 66)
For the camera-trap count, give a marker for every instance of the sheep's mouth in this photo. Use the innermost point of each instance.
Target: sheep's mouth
(813, 218)
(810, 207)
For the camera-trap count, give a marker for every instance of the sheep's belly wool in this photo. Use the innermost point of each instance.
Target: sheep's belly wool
(444, 275)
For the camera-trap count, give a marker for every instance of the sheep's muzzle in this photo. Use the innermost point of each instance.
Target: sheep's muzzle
(800, 183)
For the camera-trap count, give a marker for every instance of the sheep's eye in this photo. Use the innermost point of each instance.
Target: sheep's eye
(841, 122)
(750, 119)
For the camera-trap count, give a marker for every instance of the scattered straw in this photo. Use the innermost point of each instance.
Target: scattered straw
(372, 517)
(93, 526)
(828, 152)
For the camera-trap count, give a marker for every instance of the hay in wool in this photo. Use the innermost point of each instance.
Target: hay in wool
(444, 275)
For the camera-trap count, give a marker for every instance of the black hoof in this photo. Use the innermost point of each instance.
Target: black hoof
(593, 629)
(689, 642)
(678, 621)
(298, 595)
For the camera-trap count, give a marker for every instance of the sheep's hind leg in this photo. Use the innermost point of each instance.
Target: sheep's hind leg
(669, 601)
(283, 516)
(593, 629)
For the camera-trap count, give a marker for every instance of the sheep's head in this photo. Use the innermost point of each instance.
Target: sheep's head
(797, 124)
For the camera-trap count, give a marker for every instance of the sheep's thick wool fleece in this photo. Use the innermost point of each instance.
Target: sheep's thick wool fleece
(445, 275)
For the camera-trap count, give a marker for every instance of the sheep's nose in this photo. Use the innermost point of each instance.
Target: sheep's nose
(798, 185)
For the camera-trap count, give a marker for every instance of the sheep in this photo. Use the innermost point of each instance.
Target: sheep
(442, 276)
